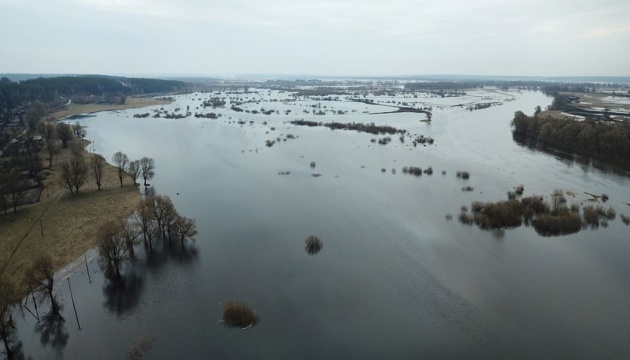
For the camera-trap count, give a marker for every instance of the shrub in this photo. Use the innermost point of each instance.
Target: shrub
(519, 190)
(511, 195)
(500, 215)
(462, 174)
(557, 198)
(625, 219)
(313, 245)
(536, 203)
(449, 217)
(428, 171)
(575, 208)
(604, 197)
(591, 216)
(562, 223)
(476, 207)
(465, 218)
(468, 188)
(313, 164)
(237, 314)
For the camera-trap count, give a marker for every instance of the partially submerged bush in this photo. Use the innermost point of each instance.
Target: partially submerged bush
(463, 174)
(625, 219)
(500, 215)
(519, 190)
(313, 245)
(465, 218)
(604, 197)
(562, 222)
(468, 188)
(237, 314)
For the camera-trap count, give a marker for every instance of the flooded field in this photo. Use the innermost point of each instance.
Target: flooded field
(394, 279)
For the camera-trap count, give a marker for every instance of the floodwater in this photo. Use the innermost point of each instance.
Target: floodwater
(395, 279)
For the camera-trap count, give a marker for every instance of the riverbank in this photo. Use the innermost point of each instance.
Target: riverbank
(60, 224)
(130, 103)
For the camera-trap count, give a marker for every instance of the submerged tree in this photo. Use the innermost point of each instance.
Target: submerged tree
(145, 221)
(121, 161)
(40, 276)
(186, 228)
(130, 233)
(147, 166)
(112, 247)
(313, 245)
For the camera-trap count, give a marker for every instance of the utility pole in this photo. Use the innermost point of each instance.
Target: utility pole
(75, 308)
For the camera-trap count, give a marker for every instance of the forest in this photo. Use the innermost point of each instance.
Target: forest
(606, 140)
(80, 89)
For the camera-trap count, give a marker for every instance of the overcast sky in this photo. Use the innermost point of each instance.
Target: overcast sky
(316, 37)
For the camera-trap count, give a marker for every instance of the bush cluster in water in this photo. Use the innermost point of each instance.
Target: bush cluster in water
(417, 171)
(368, 128)
(552, 218)
(237, 314)
(463, 174)
(313, 245)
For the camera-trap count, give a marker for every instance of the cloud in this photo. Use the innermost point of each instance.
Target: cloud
(393, 36)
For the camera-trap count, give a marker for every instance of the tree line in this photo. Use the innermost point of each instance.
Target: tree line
(606, 140)
(80, 89)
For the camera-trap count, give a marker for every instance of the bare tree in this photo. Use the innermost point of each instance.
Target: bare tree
(144, 219)
(170, 219)
(8, 297)
(147, 165)
(76, 128)
(186, 228)
(130, 233)
(33, 117)
(97, 164)
(76, 147)
(53, 149)
(15, 187)
(47, 130)
(111, 247)
(40, 276)
(161, 207)
(73, 173)
(121, 161)
(134, 170)
(64, 132)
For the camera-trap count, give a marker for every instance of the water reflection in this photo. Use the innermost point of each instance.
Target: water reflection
(53, 332)
(585, 163)
(165, 251)
(121, 296)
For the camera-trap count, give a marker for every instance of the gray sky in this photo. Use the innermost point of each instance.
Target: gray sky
(316, 37)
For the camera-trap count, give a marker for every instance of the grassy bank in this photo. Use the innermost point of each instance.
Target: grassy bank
(131, 103)
(62, 225)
